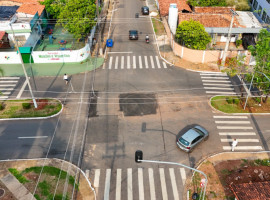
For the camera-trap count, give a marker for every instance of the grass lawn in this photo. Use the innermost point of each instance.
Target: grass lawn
(158, 26)
(234, 104)
(25, 108)
(51, 182)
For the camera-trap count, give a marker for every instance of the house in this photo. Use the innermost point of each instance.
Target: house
(261, 9)
(251, 191)
(216, 21)
(182, 6)
(4, 41)
(22, 22)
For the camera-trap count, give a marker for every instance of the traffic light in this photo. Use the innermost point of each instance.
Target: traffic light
(138, 156)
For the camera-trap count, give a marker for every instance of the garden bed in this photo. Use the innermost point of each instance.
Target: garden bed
(235, 104)
(24, 108)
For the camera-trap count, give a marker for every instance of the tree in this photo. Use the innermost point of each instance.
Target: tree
(204, 3)
(261, 52)
(78, 17)
(193, 34)
(53, 7)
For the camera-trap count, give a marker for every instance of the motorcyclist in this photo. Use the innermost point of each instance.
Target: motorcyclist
(147, 37)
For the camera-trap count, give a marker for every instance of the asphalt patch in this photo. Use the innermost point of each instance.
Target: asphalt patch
(136, 104)
(93, 104)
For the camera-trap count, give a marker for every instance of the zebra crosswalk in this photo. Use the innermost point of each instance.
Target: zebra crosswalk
(217, 83)
(238, 127)
(135, 62)
(141, 183)
(7, 84)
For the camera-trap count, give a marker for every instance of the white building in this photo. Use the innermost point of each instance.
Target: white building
(261, 9)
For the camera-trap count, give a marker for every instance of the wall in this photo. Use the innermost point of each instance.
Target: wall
(61, 56)
(48, 56)
(196, 56)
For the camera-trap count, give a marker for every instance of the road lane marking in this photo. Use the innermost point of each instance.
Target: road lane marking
(158, 64)
(119, 52)
(207, 74)
(243, 148)
(183, 175)
(134, 62)
(96, 179)
(116, 63)
(1, 89)
(8, 81)
(237, 133)
(140, 182)
(152, 184)
(9, 85)
(140, 62)
(128, 62)
(122, 62)
(163, 184)
(4, 78)
(232, 122)
(3, 97)
(110, 62)
(219, 78)
(173, 182)
(215, 84)
(240, 140)
(217, 88)
(152, 61)
(146, 62)
(164, 65)
(5, 93)
(212, 73)
(216, 81)
(214, 92)
(118, 184)
(129, 181)
(107, 184)
(234, 127)
(33, 137)
(230, 117)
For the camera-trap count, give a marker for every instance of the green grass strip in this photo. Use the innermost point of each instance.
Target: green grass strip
(19, 176)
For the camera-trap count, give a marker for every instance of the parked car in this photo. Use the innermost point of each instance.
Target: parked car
(133, 35)
(192, 138)
(145, 10)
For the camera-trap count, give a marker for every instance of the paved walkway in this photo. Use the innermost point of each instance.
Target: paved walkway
(51, 69)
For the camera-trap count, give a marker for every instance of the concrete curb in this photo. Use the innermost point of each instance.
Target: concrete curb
(192, 70)
(209, 102)
(34, 118)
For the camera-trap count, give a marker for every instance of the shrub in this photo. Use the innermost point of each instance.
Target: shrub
(26, 105)
(229, 100)
(238, 43)
(257, 99)
(236, 101)
(18, 175)
(2, 106)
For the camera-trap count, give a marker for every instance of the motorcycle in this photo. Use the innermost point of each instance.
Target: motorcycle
(147, 40)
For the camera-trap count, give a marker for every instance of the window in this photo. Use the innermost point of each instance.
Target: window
(260, 10)
(268, 1)
(264, 16)
(255, 4)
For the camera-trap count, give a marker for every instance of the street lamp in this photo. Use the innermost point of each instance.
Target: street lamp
(26, 76)
(139, 159)
(228, 39)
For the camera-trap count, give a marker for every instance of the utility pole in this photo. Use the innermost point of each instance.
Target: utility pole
(228, 39)
(26, 76)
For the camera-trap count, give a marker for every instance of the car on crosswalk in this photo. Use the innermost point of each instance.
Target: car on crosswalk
(191, 138)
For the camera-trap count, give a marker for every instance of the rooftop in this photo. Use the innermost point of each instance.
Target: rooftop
(251, 191)
(6, 12)
(165, 4)
(31, 8)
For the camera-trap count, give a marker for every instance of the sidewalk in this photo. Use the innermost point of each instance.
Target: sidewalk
(51, 69)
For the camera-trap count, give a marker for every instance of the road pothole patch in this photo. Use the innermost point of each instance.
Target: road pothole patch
(136, 104)
(93, 104)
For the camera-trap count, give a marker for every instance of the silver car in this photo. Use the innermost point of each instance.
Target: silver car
(191, 138)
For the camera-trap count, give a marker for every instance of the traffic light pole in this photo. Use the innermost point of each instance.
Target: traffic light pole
(139, 159)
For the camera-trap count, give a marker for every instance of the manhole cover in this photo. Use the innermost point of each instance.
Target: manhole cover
(2, 192)
(134, 104)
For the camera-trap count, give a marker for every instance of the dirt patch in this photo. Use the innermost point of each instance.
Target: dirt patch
(6, 194)
(223, 174)
(178, 62)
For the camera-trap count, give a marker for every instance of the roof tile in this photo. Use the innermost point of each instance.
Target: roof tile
(31, 8)
(165, 4)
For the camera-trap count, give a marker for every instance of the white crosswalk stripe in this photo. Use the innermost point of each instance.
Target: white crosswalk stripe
(110, 184)
(134, 62)
(7, 85)
(217, 83)
(238, 129)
